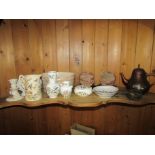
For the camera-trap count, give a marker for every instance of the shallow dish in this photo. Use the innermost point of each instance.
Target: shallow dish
(105, 91)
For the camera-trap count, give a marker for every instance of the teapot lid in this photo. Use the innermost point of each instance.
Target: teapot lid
(138, 69)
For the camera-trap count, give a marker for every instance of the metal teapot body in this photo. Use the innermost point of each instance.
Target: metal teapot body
(138, 81)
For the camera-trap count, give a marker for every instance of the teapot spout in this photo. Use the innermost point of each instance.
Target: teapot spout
(124, 80)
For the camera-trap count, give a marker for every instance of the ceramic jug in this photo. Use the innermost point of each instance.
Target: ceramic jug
(50, 76)
(32, 85)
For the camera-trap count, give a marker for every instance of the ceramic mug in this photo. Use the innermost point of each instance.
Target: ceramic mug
(32, 84)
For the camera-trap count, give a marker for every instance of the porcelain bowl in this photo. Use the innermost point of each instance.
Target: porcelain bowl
(83, 90)
(105, 91)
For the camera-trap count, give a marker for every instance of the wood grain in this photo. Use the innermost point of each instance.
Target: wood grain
(114, 47)
(62, 36)
(7, 63)
(144, 44)
(47, 29)
(36, 46)
(20, 38)
(75, 27)
(129, 39)
(101, 48)
(88, 27)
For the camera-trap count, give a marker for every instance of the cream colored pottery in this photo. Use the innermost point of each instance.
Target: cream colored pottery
(14, 94)
(66, 91)
(32, 85)
(82, 90)
(50, 76)
(53, 89)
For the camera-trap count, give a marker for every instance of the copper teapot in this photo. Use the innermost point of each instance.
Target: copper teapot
(138, 81)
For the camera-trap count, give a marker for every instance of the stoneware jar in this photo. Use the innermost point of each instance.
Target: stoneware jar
(32, 85)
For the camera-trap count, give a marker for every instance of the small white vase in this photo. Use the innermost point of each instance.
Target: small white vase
(66, 91)
(53, 89)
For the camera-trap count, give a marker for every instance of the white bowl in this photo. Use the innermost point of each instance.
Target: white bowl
(65, 76)
(105, 91)
(82, 90)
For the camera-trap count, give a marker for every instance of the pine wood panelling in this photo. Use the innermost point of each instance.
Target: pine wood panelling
(144, 44)
(76, 48)
(101, 44)
(35, 44)
(88, 28)
(114, 47)
(62, 36)
(20, 38)
(48, 37)
(7, 63)
(152, 79)
(129, 39)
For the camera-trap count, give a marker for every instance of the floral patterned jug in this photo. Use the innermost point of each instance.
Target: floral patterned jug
(32, 84)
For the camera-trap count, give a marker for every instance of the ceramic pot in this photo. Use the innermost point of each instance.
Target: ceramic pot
(32, 84)
(53, 89)
(14, 94)
(66, 91)
(45, 81)
(83, 90)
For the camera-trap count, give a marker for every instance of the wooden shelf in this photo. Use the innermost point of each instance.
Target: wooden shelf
(81, 102)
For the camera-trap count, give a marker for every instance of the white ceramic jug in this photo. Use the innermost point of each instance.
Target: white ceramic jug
(49, 77)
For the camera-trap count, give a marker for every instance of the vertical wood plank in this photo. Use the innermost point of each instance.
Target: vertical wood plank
(143, 55)
(88, 64)
(114, 47)
(48, 37)
(144, 44)
(35, 44)
(7, 63)
(101, 48)
(63, 63)
(75, 48)
(62, 36)
(129, 37)
(21, 46)
(152, 79)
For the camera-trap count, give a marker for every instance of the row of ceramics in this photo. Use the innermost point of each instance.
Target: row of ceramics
(53, 84)
(30, 87)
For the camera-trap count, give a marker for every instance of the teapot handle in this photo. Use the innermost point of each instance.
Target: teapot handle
(124, 80)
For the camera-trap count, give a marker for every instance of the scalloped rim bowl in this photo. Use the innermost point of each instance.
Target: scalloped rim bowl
(105, 91)
(83, 91)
